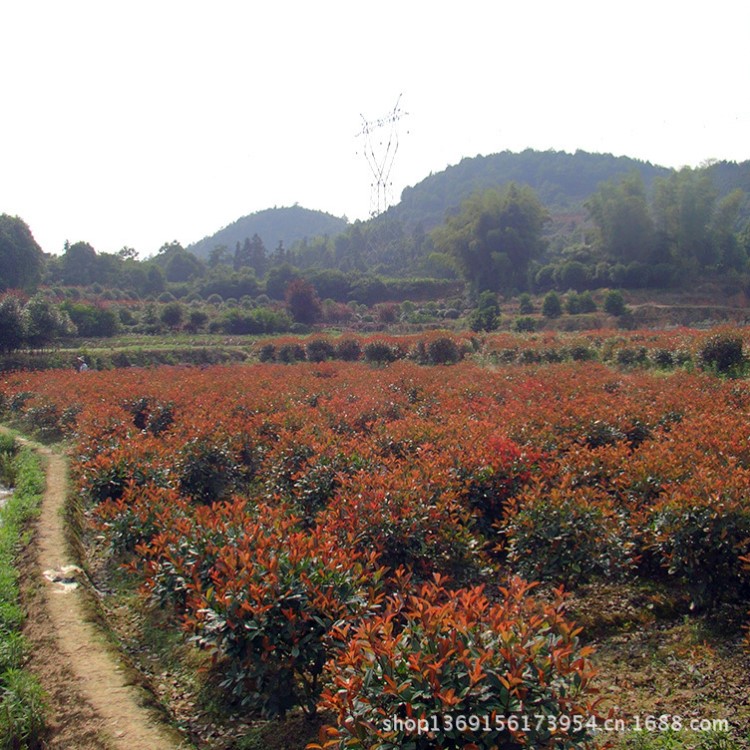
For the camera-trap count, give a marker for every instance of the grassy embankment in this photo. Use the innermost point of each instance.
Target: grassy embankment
(22, 704)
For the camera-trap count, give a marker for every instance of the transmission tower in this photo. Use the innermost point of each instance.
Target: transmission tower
(381, 145)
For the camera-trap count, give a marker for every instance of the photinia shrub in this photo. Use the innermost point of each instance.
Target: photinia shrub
(348, 349)
(489, 469)
(722, 352)
(150, 414)
(568, 534)
(182, 552)
(701, 533)
(407, 515)
(207, 469)
(380, 352)
(137, 515)
(469, 672)
(273, 599)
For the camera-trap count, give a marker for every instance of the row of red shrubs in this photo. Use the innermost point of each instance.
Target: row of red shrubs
(335, 533)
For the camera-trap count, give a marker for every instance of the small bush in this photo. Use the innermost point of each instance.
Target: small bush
(379, 352)
(552, 307)
(443, 654)
(631, 357)
(580, 353)
(207, 470)
(320, 350)
(150, 415)
(290, 353)
(275, 595)
(484, 319)
(722, 353)
(662, 358)
(614, 303)
(267, 353)
(525, 305)
(443, 351)
(348, 349)
(525, 324)
(568, 534)
(702, 536)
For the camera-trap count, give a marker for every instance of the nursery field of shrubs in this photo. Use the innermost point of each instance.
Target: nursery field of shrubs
(382, 529)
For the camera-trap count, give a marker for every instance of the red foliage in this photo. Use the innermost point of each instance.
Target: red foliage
(569, 471)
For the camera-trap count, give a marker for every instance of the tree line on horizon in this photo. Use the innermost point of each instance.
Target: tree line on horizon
(504, 239)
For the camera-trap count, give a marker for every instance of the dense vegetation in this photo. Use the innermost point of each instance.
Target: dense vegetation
(510, 224)
(278, 227)
(346, 525)
(346, 535)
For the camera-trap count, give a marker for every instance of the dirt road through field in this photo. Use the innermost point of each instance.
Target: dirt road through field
(94, 704)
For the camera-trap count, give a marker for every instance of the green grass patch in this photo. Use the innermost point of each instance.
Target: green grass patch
(674, 740)
(22, 701)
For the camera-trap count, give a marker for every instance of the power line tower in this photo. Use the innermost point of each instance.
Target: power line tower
(381, 145)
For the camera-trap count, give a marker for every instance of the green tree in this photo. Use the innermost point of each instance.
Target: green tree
(621, 214)
(574, 275)
(182, 266)
(278, 279)
(92, 320)
(219, 256)
(330, 283)
(172, 314)
(155, 280)
(45, 323)
(78, 264)
(126, 253)
(197, 319)
(525, 304)
(728, 245)
(258, 256)
(303, 302)
(242, 255)
(494, 237)
(487, 315)
(21, 258)
(683, 208)
(614, 303)
(552, 306)
(12, 323)
(586, 302)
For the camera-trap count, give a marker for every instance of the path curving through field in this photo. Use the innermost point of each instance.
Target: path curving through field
(93, 703)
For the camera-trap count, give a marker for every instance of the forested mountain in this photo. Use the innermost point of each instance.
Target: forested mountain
(274, 226)
(507, 223)
(562, 181)
(616, 216)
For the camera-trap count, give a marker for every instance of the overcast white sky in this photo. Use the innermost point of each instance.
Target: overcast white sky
(138, 123)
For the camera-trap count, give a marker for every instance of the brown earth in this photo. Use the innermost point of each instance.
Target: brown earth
(95, 701)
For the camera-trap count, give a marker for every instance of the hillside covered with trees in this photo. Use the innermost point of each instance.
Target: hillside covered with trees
(275, 227)
(528, 224)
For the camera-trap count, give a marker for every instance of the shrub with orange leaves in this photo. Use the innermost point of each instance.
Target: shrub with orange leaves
(568, 533)
(447, 669)
(408, 515)
(489, 469)
(577, 468)
(274, 596)
(701, 531)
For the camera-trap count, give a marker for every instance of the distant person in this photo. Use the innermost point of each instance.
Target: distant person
(82, 366)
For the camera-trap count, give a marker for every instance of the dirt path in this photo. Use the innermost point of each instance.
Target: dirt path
(93, 703)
